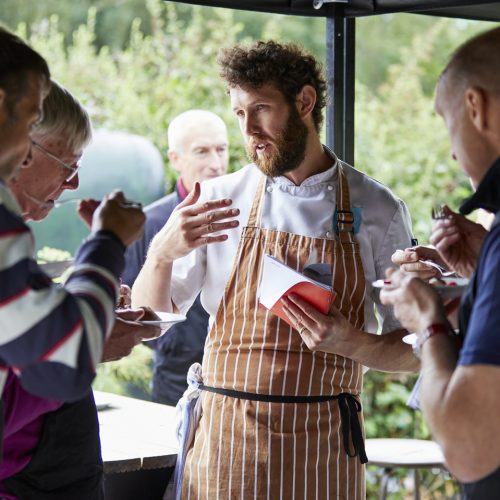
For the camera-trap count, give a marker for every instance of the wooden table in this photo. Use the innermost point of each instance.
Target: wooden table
(138, 443)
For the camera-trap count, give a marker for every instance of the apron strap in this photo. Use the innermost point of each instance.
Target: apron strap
(345, 217)
(258, 202)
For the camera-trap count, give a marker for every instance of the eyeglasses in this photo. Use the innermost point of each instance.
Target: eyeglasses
(72, 169)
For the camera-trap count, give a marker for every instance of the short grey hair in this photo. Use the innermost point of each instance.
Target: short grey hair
(476, 63)
(180, 126)
(65, 118)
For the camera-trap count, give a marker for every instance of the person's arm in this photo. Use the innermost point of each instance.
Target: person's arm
(461, 405)
(156, 217)
(53, 336)
(192, 225)
(459, 402)
(333, 333)
(460, 397)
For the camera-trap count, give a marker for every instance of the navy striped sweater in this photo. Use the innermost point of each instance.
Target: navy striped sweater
(52, 336)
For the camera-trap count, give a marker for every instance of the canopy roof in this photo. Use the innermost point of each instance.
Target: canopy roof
(485, 10)
(340, 48)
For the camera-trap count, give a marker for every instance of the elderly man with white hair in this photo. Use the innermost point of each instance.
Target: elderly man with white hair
(198, 150)
(51, 449)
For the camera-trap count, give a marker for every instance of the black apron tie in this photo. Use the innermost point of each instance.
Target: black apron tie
(349, 408)
(348, 404)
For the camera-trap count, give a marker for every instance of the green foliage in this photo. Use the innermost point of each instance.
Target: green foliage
(401, 141)
(135, 64)
(119, 376)
(155, 77)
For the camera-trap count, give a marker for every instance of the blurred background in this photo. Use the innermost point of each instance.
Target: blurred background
(135, 64)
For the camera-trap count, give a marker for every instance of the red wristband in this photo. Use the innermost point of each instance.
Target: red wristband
(431, 331)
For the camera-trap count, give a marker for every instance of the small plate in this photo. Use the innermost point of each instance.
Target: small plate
(452, 288)
(56, 268)
(165, 320)
(381, 283)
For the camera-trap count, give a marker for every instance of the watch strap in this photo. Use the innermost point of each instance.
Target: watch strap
(431, 331)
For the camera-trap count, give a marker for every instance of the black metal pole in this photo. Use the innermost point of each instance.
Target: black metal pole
(340, 70)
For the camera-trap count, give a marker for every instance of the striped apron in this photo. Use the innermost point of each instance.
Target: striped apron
(278, 420)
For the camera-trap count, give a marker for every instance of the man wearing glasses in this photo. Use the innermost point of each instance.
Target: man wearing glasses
(52, 337)
(56, 450)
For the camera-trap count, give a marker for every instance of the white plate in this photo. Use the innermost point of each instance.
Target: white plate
(453, 286)
(56, 268)
(166, 319)
(410, 339)
(381, 283)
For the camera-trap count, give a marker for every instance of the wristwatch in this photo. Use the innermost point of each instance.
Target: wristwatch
(431, 331)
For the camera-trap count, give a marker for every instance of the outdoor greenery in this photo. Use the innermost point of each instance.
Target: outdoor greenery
(135, 64)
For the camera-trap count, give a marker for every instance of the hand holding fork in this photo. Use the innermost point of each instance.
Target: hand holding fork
(457, 239)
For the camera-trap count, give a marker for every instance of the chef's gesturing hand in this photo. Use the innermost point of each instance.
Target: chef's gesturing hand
(320, 332)
(193, 225)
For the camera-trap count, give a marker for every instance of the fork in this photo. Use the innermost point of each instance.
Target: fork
(438, 212)
(444, 272)
(126, 204)
(60, 203)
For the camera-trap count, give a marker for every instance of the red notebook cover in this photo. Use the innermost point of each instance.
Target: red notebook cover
(317, 296)
(279, 280)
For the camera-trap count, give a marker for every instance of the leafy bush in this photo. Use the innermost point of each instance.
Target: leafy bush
(166, 65)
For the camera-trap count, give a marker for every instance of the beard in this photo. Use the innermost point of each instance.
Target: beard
(288, 150)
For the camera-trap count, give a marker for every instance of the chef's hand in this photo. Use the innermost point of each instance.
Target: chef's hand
(458, 241)
(192, 225)
(408, 261)
(315, 328)
(416, 303)
(127, 333)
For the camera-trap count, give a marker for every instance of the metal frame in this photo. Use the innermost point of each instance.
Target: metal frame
(340, 44)
(340, 72)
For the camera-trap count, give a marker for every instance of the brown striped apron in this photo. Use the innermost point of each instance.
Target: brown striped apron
(283, 435)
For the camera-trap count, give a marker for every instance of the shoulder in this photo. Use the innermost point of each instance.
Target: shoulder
(490, 258)
(368, 191)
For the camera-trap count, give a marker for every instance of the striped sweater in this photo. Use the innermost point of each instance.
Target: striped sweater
(53, 336)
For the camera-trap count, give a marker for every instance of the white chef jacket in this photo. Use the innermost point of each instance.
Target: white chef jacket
(307, 210)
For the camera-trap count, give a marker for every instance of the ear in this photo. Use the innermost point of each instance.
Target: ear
(306, 100)
(477, 107)
(173, 157)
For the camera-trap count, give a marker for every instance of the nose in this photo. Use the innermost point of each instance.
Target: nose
(250, 125)
(216, 161)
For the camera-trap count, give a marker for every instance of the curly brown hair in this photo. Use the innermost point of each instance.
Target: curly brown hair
(286, 66)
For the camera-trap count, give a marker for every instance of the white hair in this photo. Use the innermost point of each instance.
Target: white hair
(183, 124)
(65, 118)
